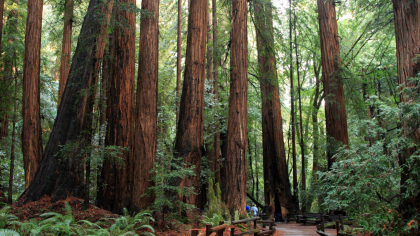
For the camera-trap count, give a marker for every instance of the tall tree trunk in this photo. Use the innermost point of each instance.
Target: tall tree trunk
(61, 174)
(12, 152)
(146, 108)
(277, 186)
(115, 194)
(189, 136)
(1, 22)
(236, 167)
(216, 62)
(292, 105)
(65, 47)
(370, 139)
(178, 60)
(302, 146)
(31, 130)
(406, 20)
(210, 149)
(335, 110)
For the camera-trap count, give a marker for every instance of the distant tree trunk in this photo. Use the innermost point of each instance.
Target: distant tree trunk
(277, 186)
(216, 62)
(65, 47)
(237, 124)
(12, 152)
(370, 139)
(210, 149)
(189, 136)
(31, 130)
(315, 129)
(292, 105)
(1, 23)
(117, 177)
(178, 60)
(302, 146)
(146, 108)
(406, 20)
(61, 175)
(335, 110)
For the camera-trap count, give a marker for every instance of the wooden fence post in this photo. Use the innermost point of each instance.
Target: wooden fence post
(322, 226)
(220, 232)
(194, 232)
(341, 222)
(255, 227)
(208, 229)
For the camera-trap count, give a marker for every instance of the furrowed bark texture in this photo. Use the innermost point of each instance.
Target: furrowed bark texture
(146, 107)
(65, 47)
(407, 34)
(178, 59)
(277, 189)
(189, 137)
(236, 164)
(335, 110)
(31, 130)
(115, 193)
(62, 175)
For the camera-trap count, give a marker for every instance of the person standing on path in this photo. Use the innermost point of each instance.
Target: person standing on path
(255, 210)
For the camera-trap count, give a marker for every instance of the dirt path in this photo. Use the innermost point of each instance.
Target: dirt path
(293, 229)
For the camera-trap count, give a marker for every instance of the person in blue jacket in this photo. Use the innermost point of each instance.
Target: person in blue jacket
(247, 209)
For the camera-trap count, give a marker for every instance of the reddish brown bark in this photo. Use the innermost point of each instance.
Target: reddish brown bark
(236, 164)
(31, 130)
(65, 47)
(62, 175)
(406, 20)
(146, 107)
(178, 60)
(189, 136)
(335, 110)
(216, 62)
(115, 193)
(277, 189)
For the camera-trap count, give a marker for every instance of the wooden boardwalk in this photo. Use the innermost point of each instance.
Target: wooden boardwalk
(298, 229)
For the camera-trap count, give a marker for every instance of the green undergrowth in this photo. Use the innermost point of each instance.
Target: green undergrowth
(52, 223)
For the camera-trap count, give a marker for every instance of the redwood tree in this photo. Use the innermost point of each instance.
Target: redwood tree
(277, 189)
(335, 111)
(65, 47)
(406, 20)
(146, 107)
(178, 59)
(61, 171)
(115, 192)
(31, 130)
(189, 136)
(237, 139)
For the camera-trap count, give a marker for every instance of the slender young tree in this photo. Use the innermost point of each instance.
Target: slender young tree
(292, 104)
(12, 150)
(146, 107)
(211, 154)
(65, 47)
(31, 130)
(236, 167)
(407, 23)
(1, 22)
(189, 136)
(216, 62)
(302, 146)
(61, 173)
(277, 190)
(335, 110)
(115, 194)
(178, 60)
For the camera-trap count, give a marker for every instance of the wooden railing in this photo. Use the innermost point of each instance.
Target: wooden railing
(218, 230)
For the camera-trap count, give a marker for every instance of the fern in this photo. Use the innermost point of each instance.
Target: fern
(8, 232)
(6, 217)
